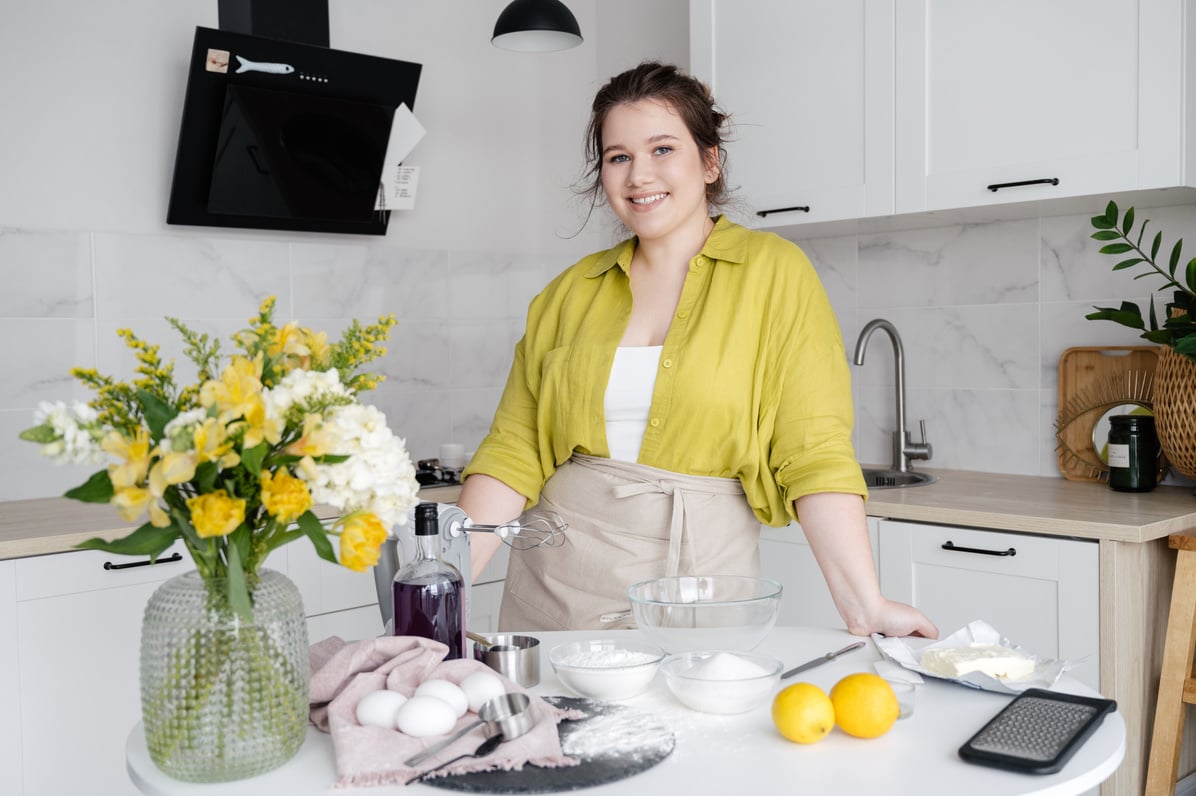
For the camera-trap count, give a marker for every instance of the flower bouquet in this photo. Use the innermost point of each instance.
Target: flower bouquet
(232, 465)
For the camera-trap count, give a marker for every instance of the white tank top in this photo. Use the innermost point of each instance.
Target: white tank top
(628, 399)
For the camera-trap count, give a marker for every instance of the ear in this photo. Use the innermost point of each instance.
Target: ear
(713, 167)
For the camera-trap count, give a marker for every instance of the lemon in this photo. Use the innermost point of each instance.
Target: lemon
(865, 705)
(803, 713)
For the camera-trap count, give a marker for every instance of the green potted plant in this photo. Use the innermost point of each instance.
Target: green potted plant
(1175, 378)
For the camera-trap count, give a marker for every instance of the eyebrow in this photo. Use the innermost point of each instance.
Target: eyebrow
(652, 140)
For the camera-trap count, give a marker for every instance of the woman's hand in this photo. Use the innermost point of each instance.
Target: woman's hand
(487, 501)
(899, 619)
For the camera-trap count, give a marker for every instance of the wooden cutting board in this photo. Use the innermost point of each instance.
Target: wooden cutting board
(1093, 380)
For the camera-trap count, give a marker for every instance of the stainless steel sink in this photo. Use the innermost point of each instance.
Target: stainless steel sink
(894, 479)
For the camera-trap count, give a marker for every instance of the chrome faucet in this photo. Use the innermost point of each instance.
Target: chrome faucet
(904, 448)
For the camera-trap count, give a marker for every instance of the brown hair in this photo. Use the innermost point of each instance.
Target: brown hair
(687, 95)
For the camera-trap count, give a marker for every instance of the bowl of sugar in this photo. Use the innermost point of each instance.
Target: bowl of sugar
(714, 681)
(606, 668)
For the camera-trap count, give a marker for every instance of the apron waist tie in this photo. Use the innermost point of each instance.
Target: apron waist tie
(676, 522)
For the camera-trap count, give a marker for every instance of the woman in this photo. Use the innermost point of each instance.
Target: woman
(674, 392)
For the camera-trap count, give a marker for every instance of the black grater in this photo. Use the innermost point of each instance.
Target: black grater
(1037, 732)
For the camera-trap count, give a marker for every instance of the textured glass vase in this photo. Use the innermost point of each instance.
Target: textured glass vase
(221, 699)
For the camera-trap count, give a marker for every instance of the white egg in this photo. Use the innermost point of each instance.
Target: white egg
(447, 692)
(422, 716)
(379, 708)
(481, 687)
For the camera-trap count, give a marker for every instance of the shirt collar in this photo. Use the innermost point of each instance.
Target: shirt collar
(726, 242)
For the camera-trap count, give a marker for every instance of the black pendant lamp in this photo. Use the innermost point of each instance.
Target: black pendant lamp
(536, 26)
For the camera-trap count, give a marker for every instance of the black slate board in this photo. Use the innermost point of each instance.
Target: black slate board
(612, 742)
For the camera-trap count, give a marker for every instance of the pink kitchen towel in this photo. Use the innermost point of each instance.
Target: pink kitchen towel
(344, 672)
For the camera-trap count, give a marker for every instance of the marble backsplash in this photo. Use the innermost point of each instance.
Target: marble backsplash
(984, 311)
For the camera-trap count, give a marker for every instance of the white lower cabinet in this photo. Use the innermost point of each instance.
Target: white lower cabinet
(336, 600)
(10, 683)
(78, 631)
(786, 557)
(1040, 592)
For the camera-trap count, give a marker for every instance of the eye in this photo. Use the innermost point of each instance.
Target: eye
(662, 150)
(617, 159)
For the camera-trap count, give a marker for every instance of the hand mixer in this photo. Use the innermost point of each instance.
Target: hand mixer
(534, 528)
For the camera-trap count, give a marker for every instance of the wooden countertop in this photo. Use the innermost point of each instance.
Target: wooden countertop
(1032, 504)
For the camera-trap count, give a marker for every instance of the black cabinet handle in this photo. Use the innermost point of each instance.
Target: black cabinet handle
(168, 560)
(996, 186)
(949, 545)
(799, 208)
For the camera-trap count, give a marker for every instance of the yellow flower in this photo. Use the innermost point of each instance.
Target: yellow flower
(176, 467)
(284, 496)
(213, 445)
(216, 514)
(313, 441)
(258, 426)
(362, 535)
(238, 391)
(135, 453)
(299, 347)
(132, 501)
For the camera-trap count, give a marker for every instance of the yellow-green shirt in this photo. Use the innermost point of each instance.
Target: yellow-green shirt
(753, 382)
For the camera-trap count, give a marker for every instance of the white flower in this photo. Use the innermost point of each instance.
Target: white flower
(77, 433)
(378, 476)
(310, 390)
(179, 433)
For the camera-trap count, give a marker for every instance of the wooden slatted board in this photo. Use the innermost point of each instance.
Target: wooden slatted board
(1092, 380)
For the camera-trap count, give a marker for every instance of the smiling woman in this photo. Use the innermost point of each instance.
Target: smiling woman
(675, 391)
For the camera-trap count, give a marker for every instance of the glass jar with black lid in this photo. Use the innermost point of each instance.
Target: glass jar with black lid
(1133, 453)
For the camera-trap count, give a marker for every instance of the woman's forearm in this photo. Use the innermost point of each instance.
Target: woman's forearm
(836, 526)
(487, 501)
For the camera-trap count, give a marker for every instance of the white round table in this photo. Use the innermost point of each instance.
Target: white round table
(744, 753)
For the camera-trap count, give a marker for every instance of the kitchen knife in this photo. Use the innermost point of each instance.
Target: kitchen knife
(821, 659)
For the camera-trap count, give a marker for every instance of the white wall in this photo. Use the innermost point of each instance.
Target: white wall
(92, 99)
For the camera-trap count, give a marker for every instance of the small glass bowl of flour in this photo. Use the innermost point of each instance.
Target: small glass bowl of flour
(606, 668)
(722, 682)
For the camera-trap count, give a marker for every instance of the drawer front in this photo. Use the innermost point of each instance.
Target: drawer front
(986, 551)
(89, 570)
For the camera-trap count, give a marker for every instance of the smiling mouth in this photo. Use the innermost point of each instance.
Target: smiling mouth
(648, 200)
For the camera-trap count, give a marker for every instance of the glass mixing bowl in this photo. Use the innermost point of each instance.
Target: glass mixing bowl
(705, 612)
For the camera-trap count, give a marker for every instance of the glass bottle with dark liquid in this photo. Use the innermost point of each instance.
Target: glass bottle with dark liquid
(429, 593)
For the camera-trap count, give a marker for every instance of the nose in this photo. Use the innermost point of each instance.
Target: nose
(640, 171)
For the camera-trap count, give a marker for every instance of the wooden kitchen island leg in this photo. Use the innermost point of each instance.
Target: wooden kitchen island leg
(1177, 689)
(1135, 591)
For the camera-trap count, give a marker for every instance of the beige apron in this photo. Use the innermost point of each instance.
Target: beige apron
(627, 522)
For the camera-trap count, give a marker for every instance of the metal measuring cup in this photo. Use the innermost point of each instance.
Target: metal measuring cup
(514, 656)
(506, 715)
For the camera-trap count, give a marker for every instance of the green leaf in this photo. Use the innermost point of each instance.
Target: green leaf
(1128, 263)
(1154, 318)
(42, 434)
(205, 476)
(1159, 336)
(1111, 211)
(1175, 258)
(1116, 248)
(1186, 346)
(1154, 247)
(238, 591)
(252, 457)
(1127, 315)
(1100, 222)
(1127, 223)
(145, 541)
(311, 526)
(97, 489)
(1142, 233)
(1190, 274)
(1106, 234)
(157, 412)
(331, 458)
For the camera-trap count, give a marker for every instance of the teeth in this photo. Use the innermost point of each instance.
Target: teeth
(647, 200)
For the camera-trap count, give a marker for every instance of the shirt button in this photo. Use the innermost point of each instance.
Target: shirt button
(654, 422)
(683, 314)
(668, 363)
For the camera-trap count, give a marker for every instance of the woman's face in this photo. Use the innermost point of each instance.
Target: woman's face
(653, 172)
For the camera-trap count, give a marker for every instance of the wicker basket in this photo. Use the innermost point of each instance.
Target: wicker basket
(1175, 409)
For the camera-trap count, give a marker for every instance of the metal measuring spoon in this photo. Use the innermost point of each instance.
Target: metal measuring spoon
(486, 747)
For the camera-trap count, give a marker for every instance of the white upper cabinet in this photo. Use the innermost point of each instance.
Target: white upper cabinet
(809, 87)
(865, 108)
(1088, 93)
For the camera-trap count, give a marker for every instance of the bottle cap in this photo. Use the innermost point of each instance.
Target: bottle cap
(1134, 422)
(427, 520)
